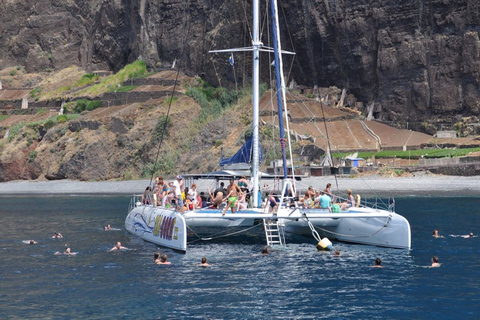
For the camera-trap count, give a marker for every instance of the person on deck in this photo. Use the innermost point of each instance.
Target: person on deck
(178, 190)
(233, 190)
(216, 198)
(160, 190)
(243, 184)
(307, 200)
(350, 203)
(192, 195)
(147, 196)
(325, 201)
(328, 190)
(241, 203)
(273, 204)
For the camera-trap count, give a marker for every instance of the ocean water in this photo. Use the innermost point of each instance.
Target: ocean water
(294, 283)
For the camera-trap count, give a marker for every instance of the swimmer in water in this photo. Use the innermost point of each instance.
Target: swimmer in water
(107, 227)
(378, 263)
(204, 263)
(67, 252)
(57, 235)
(470, 235)
(163, 259)
(118, 246)
(436, 235)
(435, 263)
(29, 241)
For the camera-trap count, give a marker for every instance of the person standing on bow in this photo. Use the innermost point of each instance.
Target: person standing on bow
(178, 189)
(233, 190)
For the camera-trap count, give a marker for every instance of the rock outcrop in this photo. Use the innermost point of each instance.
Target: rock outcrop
(419, 59)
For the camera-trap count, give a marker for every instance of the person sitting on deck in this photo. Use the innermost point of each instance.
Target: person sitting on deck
(325, 201)
(328, 190)
(307, 200)
(350, 203)
(357, 200)
(233, 190)
(241, 203)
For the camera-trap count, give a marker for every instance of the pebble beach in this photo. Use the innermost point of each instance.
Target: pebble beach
(421, 184)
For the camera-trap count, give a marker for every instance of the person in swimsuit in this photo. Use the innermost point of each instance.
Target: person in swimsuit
(435, 263)
(378, 263)
(118, 246)
(243, 184)
(163, 259)
(204, 263)
(233, 190)
(308, 198)
(350, 203)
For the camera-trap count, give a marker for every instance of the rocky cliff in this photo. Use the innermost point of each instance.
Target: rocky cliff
(417, 60)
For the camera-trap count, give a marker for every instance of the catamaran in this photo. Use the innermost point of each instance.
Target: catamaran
(370, 225)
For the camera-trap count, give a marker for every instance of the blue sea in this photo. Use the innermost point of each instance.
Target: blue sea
(295, 283)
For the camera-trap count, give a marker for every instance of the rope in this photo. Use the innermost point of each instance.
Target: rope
(312, 228)
(222, 236)
(348, 235)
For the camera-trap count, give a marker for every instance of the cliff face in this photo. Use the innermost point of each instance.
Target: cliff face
(420, 60)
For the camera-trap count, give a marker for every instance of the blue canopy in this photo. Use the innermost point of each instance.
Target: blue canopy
(244, 155)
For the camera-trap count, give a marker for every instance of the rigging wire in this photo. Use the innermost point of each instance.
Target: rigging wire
(213, 237)
(165, 123)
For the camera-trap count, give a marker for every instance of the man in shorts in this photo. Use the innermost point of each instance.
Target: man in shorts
(233, 190)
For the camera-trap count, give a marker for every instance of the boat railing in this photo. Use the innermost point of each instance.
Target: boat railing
(135, 201)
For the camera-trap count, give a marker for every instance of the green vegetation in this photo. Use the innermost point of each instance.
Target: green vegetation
(170, 100)
(214, 101)
(14, 130)
(3, 117)
(87, 79)
(35, 93)
(31, 156)
(84, 104)
(133, 70)
(122, 89)
(52, 121)
(161, 130)
(413, 154)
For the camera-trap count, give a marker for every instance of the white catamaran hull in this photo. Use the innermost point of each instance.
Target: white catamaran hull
(158, 225)
(168, 228)
(384, 228)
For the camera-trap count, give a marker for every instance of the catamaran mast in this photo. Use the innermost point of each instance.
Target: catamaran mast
(255, 100)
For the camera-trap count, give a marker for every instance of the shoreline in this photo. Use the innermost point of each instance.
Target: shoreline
(369, 185)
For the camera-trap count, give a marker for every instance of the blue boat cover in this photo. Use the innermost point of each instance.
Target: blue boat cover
(244, 155)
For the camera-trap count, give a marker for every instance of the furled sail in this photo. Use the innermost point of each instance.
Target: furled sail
(244, 155)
